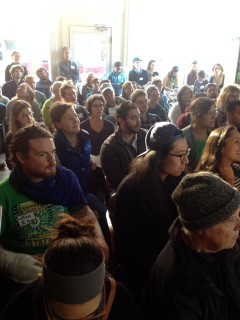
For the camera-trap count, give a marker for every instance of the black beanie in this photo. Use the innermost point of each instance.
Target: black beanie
(204, 200)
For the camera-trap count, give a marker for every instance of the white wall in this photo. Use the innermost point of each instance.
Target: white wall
(172, 32)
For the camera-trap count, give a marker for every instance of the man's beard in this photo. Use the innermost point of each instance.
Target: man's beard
(134, 129)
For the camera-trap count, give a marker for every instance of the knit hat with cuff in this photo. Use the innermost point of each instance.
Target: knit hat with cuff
(204, 200)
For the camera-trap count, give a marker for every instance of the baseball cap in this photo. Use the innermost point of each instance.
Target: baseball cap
(136, 59)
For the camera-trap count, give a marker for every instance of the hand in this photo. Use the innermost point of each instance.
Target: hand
(93, 166)
(226, 172)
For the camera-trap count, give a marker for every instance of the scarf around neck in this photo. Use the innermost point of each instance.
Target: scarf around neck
(61, 189)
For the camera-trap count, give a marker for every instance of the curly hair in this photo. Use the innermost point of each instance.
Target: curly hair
(226, 95)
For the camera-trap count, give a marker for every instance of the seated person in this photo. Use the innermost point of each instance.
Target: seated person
(139, 97)
(99, 130)
(143, 210)
(67, 290)
(197, 274)
(73, 148)
(112, 102)
(68, 93)
(200, 83)
(32, 198)
(121, 147)
(20, 116)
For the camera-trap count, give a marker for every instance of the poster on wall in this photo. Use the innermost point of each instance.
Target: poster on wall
(237, 78)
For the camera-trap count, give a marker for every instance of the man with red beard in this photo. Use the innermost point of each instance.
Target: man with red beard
(120, 148)
(33, 198)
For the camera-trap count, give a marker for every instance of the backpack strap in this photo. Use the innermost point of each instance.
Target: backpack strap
(110, 298)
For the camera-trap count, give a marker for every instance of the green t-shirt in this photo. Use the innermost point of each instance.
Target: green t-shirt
(199, 148)
(25, 224)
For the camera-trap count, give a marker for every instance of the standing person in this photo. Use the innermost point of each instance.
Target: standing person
(21, 115)
(192, 75)
(143, 209)
(221, 155)
(67, 290)
(15, 60)
(203, 115)
(218, 77)
(9, 88)
(117, 78)
(137, 74)
(68, 68)
(197, 275)
(44, 84)
(32, 199)
(121, 147)
(99, 130)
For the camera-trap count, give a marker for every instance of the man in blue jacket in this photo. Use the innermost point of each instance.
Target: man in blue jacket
(117, 78)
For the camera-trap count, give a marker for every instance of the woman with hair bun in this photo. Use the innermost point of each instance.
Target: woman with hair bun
(73, 283)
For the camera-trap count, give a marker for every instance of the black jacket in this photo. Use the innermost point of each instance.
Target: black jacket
(180, 287)
(116, 155)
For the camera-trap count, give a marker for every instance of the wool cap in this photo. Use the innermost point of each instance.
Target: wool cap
(204, 200)
(105, 86)
(161, 134)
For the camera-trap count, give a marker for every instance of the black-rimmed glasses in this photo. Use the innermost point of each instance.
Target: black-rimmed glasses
(181, 156)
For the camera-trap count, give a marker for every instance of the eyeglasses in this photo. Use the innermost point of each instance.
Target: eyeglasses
(181, 156)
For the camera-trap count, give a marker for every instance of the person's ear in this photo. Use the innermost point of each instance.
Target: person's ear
(21, 157)
(57, 125)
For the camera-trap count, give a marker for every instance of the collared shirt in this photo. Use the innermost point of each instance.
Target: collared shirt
(134, 142)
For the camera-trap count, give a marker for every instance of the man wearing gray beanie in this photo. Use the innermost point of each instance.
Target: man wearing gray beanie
(197, 274)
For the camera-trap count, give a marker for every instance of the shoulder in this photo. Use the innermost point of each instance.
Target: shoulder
(124, 306)
(142, 132)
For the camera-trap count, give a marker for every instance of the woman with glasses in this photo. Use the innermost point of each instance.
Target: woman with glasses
(143, 209)
(21, 115)
(222, 155)
(99, 130)
(73, 283)
(203, 114)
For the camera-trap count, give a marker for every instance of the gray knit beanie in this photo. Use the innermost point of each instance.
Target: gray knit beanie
(204, 200)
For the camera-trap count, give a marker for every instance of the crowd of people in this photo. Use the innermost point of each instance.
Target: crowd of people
(123, 198)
